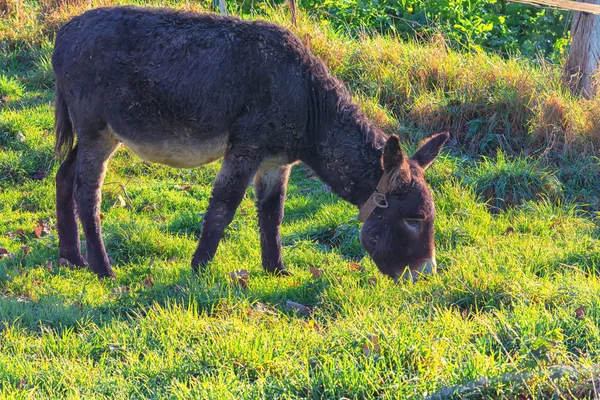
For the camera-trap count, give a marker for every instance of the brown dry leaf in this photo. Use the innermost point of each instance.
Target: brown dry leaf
(371, 346)
(355, 267)
(20, 232)
(240, 278)
(79, 305)
(509, 230)
(580, 313)
(316, 272)
(149, 281)
(372, 281)
(121, 290)
(313, 325)
(300, 308)
(183, 187)
(25, 249)
(37, 282)
(49, 266)
(38, 176)
(38, 231)
(3, 252)
(22, 383)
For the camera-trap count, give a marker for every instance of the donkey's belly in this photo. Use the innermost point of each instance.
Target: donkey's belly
(179, 151)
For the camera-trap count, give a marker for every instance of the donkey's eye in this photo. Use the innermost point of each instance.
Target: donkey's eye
(414, 224)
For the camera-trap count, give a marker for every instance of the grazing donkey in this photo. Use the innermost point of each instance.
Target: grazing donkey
(185, 89)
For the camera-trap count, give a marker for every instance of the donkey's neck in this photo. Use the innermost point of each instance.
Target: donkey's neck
(347, 154)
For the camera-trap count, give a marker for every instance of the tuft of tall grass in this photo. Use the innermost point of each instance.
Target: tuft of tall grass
(504, 182)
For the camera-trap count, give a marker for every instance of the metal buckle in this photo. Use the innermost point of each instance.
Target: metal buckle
(380, 200)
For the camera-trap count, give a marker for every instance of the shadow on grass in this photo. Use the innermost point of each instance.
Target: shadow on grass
(135, 292)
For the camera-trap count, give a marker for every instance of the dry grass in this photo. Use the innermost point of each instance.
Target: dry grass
(486, 102)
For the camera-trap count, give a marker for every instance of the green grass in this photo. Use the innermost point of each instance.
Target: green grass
(513, 313)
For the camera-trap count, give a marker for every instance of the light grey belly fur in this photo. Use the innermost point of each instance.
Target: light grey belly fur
(179, 151)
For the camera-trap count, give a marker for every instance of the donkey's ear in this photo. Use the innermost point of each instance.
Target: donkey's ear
(430, 149)
(395, 162)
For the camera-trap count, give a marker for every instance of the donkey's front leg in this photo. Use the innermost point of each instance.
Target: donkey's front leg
(271, 184)
(228, 190)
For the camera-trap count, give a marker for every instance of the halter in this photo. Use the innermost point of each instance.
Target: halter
(377, 198)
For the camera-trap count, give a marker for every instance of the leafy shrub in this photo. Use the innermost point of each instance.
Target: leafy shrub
(492, 24)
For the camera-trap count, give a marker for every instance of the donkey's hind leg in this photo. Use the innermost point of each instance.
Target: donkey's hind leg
(66, 215)
(95, 149)
(270, 184)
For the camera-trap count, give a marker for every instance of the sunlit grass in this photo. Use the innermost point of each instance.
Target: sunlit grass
(513, 312)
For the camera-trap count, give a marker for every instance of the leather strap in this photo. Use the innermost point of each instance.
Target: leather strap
(377, 198)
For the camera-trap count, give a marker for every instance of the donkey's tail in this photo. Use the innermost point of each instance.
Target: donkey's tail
(63, 127)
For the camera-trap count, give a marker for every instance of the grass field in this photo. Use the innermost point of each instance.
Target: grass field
(513, 313)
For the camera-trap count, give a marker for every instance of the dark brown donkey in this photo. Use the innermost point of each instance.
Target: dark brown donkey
(185, 89)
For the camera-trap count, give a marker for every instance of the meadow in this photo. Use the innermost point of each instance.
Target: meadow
(513, 312)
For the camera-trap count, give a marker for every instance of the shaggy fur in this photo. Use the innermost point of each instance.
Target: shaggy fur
(185, 89)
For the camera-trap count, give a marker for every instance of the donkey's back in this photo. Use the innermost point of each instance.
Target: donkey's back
(171, 85)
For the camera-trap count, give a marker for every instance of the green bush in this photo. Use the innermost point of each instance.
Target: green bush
(488, 24)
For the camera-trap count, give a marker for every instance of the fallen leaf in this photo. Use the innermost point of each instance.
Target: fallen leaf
(372, 281)
(121, 290)
(38, 231)
(509, 230)
(300, 308)
(38, 176)
(79, 305)
(182, 187)
(49, 266)
(25, 249)
(355, 267)
(149, 281)
(313, 325)
(316, 272)
(20, 232)
(580, 313)
(371, 346)
(240, 277)
(22, 383)
(3, 252)
(37, 282)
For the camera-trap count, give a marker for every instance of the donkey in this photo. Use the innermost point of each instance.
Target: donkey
(185, 89)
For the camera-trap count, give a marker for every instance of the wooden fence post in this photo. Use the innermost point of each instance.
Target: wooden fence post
(584, 57)
(222, 6)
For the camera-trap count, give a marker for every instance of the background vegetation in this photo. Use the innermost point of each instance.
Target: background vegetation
(512, 314)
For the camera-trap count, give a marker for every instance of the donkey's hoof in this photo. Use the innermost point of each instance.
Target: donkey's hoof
(77, 261)
(108, 273)
(278, 271)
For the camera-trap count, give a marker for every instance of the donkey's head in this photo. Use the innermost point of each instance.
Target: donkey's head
(398, 218)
